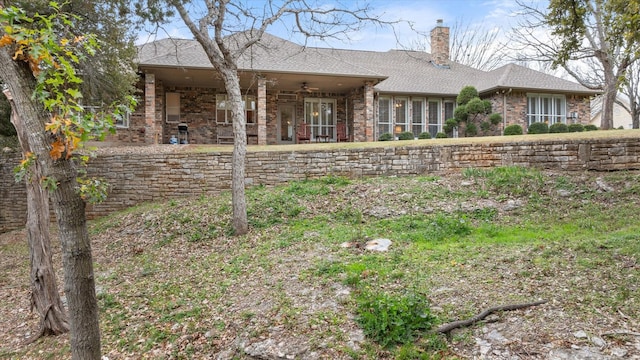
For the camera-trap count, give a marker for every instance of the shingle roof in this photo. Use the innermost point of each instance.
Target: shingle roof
(270, 54)
(520, 77)
(405, 71)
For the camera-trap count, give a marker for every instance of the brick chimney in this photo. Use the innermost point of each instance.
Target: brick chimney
(440, 44)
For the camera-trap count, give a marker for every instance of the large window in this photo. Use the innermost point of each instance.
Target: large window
(120, 121)
(435, 121)
(449, 106)
(173, 107)
(417, 116)
(320, 114)
(384, 115)
(223, 109)
(402, 116)
(548, 109)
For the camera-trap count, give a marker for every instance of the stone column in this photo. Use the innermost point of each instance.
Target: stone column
(262, 111)
(369, 112)
(150, 131)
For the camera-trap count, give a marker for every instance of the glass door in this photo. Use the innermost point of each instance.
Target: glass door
(320, 114)
(286, 123)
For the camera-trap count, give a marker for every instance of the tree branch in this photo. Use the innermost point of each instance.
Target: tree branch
(446, 328)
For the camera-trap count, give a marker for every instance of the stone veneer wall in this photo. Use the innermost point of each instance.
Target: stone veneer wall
(137, 178)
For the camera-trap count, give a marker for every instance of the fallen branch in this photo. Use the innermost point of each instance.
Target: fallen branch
(620, 332)
(446, 328)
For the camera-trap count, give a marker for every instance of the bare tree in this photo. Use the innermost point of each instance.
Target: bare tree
(631, 88)
(475, 45)
(593, 54)
(228, 29)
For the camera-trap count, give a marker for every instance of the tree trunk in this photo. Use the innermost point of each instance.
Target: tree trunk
(44, 290)
(608, 100)
(234, 97)
(79, 286)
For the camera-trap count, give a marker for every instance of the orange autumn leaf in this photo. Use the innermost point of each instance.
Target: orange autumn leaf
(18, 54)
(6, 40)
(57, 148)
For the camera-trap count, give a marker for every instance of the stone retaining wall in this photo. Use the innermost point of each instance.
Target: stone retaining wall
(138, 178)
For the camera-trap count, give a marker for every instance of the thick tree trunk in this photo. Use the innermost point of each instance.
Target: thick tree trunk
(234, 97)
(608, 99)
(79, 283)
(45, 299)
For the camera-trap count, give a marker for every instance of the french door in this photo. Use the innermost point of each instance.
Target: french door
(286, 123)
(320, 114)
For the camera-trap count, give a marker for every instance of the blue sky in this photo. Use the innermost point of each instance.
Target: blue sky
(423, 14)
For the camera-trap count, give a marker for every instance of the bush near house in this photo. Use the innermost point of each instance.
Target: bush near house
(424, 135)
(558, 128)
(406, 135)
(472, 114)
(441, 135)
(514, 129)
(575, 128)
(590, 127)
(538, 128)
(385, 137)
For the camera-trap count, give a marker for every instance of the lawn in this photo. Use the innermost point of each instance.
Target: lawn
(173, 281)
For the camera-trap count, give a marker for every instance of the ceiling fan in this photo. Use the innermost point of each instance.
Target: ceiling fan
(305, 87)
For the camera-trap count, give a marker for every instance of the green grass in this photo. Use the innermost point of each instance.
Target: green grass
(190, 277)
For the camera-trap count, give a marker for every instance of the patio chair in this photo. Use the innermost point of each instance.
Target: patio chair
(341, 132)
(303, 133)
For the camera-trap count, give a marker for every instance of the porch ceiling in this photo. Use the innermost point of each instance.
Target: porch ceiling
(208, 78)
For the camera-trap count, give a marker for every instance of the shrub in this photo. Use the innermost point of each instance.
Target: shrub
(558, 128)
(538, 128)
(471, 130)
(450, 124)
(475, 106)
(514, 129)
(467, 93)
(620, 127)
(575, 128)
(406, 135)
(460, 113)
(487, 106)
(590, 127)
(485, 126)
(393, 319)
(495, 118)
(424, 135)
(441, 135)
(385, 137)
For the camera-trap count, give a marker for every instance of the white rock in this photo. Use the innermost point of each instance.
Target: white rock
(378, 245)
(580, 334)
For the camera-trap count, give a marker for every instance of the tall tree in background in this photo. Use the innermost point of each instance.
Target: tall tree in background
(631, 88)
(228, 29)
(474, 45)
(572, 33)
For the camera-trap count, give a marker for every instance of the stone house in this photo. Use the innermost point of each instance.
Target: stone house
(337, 94)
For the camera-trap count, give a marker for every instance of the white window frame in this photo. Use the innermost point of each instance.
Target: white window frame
(172, 106)
(123, 123)
(320, 114)
(546, 108)
(418, 116)
(223, 111)
(401, 119)
(434, 127)
(384, 115)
